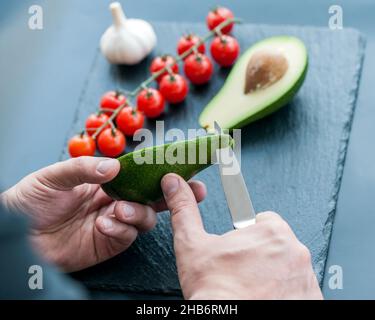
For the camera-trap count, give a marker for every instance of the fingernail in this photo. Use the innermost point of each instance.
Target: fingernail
(106, 165)
(107, 223)
(169, 185)
(128, 210)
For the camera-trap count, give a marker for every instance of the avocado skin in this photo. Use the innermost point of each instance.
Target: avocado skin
(141, 182)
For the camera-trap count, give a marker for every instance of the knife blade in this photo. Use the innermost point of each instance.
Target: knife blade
(235, 190)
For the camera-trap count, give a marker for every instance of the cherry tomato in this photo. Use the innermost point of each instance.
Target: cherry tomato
(112, 100)
(174, 88)
(225, 50)
(81, 145)
(160, 62)
(111, 142)
(151, 102)
(186, 42)
(129, 120)
(217, 16)
(198, 68)
(95, 121)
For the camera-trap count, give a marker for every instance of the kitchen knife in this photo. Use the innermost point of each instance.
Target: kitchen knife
(236, 193)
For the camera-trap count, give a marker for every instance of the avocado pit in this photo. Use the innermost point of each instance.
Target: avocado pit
(264, 69)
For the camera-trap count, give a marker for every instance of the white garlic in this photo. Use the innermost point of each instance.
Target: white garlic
(127, 41)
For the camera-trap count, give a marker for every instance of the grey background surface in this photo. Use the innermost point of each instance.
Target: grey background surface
(42, 73)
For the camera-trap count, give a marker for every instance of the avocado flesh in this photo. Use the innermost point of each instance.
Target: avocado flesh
(141, 182)
(233, 108)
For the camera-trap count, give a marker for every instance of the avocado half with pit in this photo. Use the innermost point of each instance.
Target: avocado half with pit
(264, 79)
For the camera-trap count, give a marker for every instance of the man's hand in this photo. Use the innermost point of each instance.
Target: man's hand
(263, 261)
(74, 223)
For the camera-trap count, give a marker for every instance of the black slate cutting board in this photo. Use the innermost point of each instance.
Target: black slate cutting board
(292, 161)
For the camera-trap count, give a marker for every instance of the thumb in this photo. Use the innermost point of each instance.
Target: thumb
(185, 217)
(65, 175)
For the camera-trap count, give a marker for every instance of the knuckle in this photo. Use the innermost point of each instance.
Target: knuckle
(304, 255)
(270, 229)
(78, 165)
(118, 210)
(275, 228)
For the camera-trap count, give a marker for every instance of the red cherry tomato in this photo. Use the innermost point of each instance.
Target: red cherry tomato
(198, 68)
(174, 88)
(186, 42)
(81, 145)
(225, 50)
(217, 16)
(112, 100)
(95, 121)
(160, 62)
(111, 142)
(129, 120)
(151, 102)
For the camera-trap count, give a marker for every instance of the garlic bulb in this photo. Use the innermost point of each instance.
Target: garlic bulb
(127, 41)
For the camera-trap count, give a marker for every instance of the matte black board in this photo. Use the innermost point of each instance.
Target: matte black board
(292, 161)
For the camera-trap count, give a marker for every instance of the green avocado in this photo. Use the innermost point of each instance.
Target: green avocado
(265, 78)
(142, 170)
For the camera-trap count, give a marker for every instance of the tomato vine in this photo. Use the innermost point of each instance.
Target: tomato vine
(115, 109)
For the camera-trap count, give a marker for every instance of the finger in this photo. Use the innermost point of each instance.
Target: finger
(267, 215)
(120, 235)
(140, 216)
(185, 216)
(199, 190)
(70, 173)
(100, 200)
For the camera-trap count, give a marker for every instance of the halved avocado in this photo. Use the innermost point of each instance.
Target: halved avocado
(265, 78)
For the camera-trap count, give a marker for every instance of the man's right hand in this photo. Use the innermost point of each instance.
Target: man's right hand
(263, 261)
